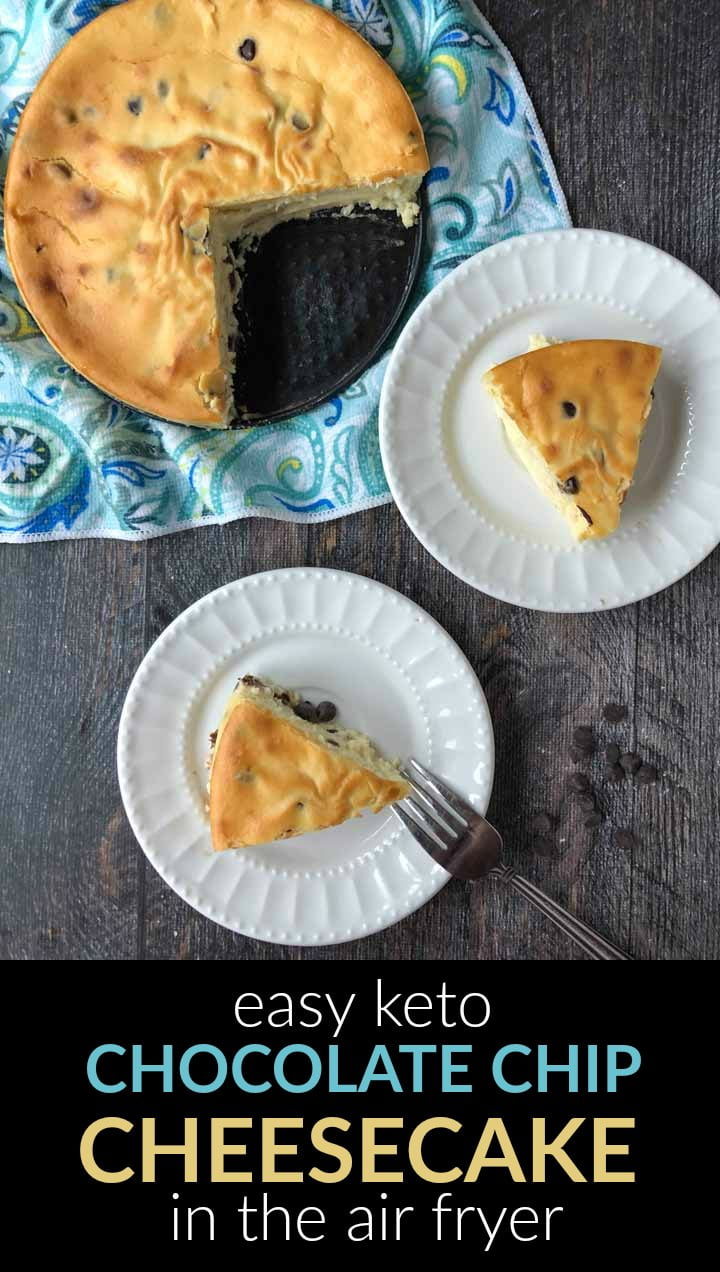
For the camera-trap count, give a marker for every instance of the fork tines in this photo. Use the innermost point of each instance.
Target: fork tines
(433, 813)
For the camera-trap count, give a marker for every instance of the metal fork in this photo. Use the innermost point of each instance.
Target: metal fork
(467, 846)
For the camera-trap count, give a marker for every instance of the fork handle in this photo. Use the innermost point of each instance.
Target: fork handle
(586, 937)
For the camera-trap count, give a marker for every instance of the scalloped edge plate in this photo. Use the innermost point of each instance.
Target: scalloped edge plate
(394, 673)
(456, 482)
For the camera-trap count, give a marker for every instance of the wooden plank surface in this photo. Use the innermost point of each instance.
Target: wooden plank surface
(629, 96)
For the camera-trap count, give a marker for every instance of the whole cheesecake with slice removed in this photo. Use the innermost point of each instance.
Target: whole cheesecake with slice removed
(165, 138)
(280, 767)
(574, 413)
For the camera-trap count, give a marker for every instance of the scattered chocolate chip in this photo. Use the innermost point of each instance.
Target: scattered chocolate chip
(331, 743)
(614, 773)
(331, 730)
(541, 823)
(570, 487)
(543, 846)
(646, 773)
(325, 711)
(593, 820)
(586, 803)
(306, 711)
(585, 514)
(253, 682)
(213, 737)
(284, 698)
(163, 88)
(300, 122)
(615, 712)
(247, 50)
(625, 839)
(71, 116)
(300, 805)
(569, 410)
(630, 762)
(579, 782)
(135, 105)
(578, 754)
(613, 752)
(203, 150)
(583, 737)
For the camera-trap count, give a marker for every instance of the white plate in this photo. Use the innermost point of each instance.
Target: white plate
(392, 671)
(458, 485)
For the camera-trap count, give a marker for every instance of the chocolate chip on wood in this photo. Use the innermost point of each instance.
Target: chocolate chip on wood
(541, 823)
(579, 782)
(626, 840)
(646, 773)
(630, 761)
(583, 738)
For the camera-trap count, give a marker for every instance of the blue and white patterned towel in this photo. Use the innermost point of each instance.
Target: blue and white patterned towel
(75, 463)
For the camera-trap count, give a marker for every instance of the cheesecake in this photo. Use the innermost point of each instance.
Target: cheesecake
(165, 138)
(281, 766)
(574, 413)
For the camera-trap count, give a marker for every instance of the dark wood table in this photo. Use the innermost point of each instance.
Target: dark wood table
(628, 92)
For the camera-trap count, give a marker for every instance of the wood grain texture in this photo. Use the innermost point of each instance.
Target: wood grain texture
(631, 110)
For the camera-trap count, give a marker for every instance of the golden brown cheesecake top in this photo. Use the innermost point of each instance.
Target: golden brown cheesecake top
(582, 405)
(151, 115)
(271, 780)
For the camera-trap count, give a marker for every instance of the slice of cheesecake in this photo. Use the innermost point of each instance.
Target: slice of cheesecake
(280, 767)
(575, 412)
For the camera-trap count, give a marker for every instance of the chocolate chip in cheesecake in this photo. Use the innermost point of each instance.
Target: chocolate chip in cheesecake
(569, 410)
(570, 487)
(325, 711)
(305, 711)
(252, 682)
(135, 105)
(613, 752)
(646, 774)
(203, 150)
(247, 50)
(299, 122)
(630, 761)
(163, 88)
(615, 712)
(213, 737)
(585, 514)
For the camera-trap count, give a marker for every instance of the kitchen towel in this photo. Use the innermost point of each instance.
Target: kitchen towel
(76, 463)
